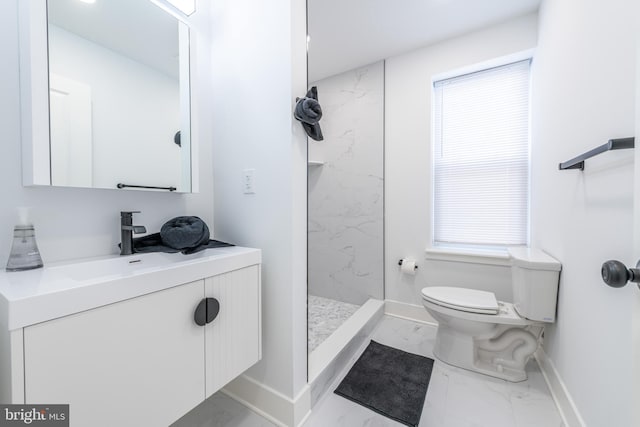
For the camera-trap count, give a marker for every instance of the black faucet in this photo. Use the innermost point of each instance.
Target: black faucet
(127, 229)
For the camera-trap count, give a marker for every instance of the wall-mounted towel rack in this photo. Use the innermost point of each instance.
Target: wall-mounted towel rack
(120, 185)
(613, 144)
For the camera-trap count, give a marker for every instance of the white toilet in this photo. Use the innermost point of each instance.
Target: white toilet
(479, 333)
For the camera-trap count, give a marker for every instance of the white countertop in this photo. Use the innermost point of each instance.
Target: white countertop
(60, 289)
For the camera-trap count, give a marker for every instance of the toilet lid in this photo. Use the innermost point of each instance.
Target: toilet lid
(462, 299)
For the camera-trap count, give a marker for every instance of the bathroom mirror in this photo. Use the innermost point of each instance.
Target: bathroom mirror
(113, 108)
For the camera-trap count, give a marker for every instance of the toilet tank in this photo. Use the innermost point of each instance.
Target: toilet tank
(534, 280)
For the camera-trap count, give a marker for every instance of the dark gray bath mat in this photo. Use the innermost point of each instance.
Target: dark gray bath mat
(390, 382)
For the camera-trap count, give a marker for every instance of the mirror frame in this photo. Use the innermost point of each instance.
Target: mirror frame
(34, 97)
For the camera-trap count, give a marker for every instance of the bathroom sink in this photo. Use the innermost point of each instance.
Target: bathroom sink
(99, 268)
(64, 288)
(113, 267)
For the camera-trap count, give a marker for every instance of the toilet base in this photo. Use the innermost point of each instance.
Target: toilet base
(508, 374)
(502, 351)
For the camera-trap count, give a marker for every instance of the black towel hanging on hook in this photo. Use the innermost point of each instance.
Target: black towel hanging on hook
(309, 113)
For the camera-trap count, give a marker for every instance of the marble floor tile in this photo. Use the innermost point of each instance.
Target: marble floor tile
(475, 400)
(455, 398)
(531, 402)
(222, 411)
(325, 316)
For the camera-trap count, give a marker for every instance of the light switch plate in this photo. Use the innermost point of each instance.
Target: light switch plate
(248, 181)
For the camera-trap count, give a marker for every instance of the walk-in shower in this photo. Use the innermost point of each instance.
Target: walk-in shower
(345, 203)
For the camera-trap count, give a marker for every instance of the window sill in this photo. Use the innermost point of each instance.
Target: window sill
(488, 257)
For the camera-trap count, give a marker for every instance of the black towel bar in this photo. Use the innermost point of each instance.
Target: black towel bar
(613, 144)
(120, 185)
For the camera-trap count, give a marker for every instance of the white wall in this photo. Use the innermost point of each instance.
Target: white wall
(408, 159)
(346, 200)
(74, 223)
(584, 94)
(135, 112)
(259, 68)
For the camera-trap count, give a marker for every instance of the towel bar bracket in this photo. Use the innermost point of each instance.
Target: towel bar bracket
(579, 165)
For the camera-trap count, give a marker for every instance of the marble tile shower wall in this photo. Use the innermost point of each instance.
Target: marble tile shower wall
(346, 193)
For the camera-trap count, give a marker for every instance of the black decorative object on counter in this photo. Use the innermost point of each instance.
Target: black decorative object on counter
(186, 234)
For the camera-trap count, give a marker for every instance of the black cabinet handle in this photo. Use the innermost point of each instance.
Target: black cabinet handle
(200, 315)
(206, 311)
(213, 308)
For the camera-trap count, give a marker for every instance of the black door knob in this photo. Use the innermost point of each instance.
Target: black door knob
(616, 274)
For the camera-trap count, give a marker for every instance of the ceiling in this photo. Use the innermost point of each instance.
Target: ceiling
(137, 29)
(347, 34)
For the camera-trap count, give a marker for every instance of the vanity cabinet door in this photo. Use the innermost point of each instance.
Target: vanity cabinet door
(233, 338)
(139, 362)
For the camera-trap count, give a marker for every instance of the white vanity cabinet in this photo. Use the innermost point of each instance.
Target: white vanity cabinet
(137, 362)
(142, 361)
(232, 340)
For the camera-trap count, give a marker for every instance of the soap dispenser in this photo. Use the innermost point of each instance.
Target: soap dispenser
(24, 249)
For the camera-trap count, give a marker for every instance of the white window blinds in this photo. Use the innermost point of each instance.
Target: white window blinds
(481, 157)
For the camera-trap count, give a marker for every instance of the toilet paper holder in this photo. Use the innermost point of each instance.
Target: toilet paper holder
(400, 264)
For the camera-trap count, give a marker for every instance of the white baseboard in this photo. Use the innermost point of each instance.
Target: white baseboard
(269, 403)
(417, 313)
(564, 402)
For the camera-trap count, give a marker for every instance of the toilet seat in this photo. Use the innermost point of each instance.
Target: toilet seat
(469, 300)
(506, 315)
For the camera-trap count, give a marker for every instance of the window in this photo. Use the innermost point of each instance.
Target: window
(481, 158)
